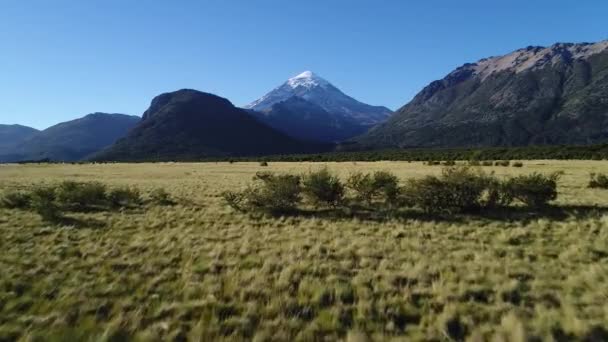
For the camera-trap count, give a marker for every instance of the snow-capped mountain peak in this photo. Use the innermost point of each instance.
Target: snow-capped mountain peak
(318, 91)
(307, 79)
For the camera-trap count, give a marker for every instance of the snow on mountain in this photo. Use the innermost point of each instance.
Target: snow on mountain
(314, 89)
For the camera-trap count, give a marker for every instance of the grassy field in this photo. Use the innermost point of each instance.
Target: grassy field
(200, 271)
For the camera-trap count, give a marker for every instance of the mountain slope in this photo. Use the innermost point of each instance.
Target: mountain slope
(76, 139)
(317, 104)
(307, 121)
(12, 135)
(189, 124)
(535, 95)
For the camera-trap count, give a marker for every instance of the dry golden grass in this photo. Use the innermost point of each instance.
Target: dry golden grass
(200, 271)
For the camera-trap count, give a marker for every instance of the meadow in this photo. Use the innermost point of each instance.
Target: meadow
(199, 270)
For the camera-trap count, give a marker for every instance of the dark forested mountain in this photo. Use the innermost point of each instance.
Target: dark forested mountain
(73, 140)
(189, 124)
(533, 96)
(307, 106)
(12, 135)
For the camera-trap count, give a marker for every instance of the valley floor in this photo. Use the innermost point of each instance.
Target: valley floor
(200, 271)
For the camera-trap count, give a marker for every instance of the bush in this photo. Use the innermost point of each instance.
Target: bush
(433, 162)
(323, 188)
(534, 190)
(448, 163)
(386, 185)
(124, 197)
(504, 163)
(16, 200)
(234, 199)
(161, 197)
(43, 203)
(362, 185)
(263, 163)
(76, 195)
(382, 185)
(486, 163)
(598, 180)
(458, 189)
(497, 194)
(517, 164)
(275, 194)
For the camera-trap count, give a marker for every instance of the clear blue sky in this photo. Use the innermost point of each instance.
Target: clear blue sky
(62, 59)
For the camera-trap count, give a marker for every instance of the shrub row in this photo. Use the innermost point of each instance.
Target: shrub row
(49, 200)
(457, 189)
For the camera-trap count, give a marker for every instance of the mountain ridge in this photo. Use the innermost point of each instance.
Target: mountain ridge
(534, 95)
(73, 140)
(188, 125)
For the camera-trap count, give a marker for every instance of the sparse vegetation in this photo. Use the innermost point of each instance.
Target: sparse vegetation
(518, 164)
(204, 272)
(598, 180)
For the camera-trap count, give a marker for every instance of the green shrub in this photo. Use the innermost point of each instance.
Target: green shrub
(381, 185)
(433, 162)
(386, 185)
(161, 197)
(323, 188)
(16, 200)
(43, 202)
(534, 190)
(504, 163)
(234, 199)
(497, 194)
(517, 164)
(474, 162)
(263, 163)
(76, 195)
(458, 189)
(124, 197)
(362, 184)
(275, 194)
(486, 163)
(598, 180)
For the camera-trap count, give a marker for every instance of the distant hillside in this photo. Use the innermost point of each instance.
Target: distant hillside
(73, 140)
(309, 107)
(533, 96)
(189, 125)
(12, 135)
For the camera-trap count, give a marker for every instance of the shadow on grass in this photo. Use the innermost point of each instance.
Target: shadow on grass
(554, 212)
(503, 214)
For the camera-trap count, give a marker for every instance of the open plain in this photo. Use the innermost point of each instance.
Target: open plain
(199, 270)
